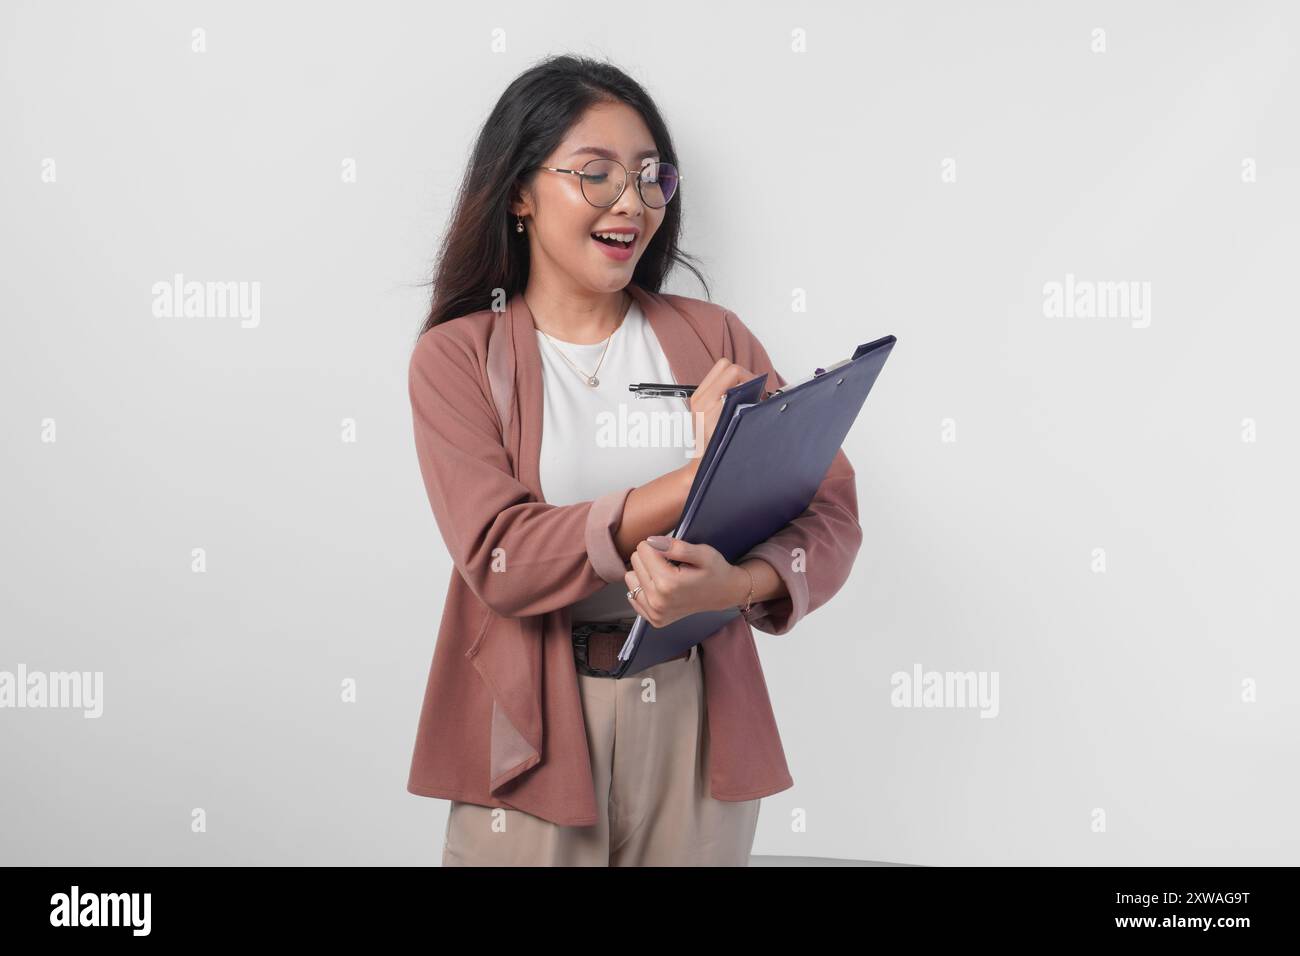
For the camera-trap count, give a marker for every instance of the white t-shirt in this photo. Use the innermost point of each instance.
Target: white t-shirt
(596, 440)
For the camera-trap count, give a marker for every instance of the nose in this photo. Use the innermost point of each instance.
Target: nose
(630, 202)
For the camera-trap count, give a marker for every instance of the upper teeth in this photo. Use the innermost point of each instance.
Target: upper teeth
(620, 236)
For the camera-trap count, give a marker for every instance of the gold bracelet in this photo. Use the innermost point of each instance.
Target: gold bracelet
(750, 600)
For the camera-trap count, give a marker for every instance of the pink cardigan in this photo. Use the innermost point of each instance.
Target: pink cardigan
(501, 724)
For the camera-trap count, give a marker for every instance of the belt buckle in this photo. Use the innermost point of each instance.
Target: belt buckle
(581, 634)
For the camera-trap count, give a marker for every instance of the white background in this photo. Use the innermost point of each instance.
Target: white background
(818, 171)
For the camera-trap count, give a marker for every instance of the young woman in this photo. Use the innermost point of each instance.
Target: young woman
(554, 506)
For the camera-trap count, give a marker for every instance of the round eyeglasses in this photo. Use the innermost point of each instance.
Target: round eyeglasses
(603, 181)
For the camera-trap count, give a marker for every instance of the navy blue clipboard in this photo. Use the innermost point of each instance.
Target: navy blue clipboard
(759, 473)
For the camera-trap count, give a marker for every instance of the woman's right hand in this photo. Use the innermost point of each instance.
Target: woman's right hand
(706, 404)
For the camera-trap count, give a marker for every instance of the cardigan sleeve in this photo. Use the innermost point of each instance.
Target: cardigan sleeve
(814, 553)
(520, 557)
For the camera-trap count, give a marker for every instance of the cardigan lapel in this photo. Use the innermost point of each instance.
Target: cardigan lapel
(688, 358)
(528, 383)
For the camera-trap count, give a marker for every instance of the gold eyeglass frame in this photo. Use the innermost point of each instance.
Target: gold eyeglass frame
(622, 189)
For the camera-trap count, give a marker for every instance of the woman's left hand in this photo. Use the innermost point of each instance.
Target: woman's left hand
(704, 581)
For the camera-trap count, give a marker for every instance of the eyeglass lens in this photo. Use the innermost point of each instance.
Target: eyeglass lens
(603, 178)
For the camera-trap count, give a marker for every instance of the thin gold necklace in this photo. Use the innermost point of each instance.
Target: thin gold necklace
(591, 379)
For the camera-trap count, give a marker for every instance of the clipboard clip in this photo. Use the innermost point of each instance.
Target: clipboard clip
(817, 373)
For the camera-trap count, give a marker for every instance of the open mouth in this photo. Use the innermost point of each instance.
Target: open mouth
(612, 242)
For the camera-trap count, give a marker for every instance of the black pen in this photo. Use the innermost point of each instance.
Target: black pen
(660, 390)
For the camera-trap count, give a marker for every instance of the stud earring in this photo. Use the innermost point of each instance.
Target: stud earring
(519, 224)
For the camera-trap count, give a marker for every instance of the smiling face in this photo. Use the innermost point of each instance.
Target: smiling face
(561, 223)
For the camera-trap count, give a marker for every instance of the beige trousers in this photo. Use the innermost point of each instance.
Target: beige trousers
(649, 741)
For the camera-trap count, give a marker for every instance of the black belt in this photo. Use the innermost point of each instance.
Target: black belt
(596, 645)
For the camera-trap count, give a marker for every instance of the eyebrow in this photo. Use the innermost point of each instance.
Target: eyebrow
(610, 154)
